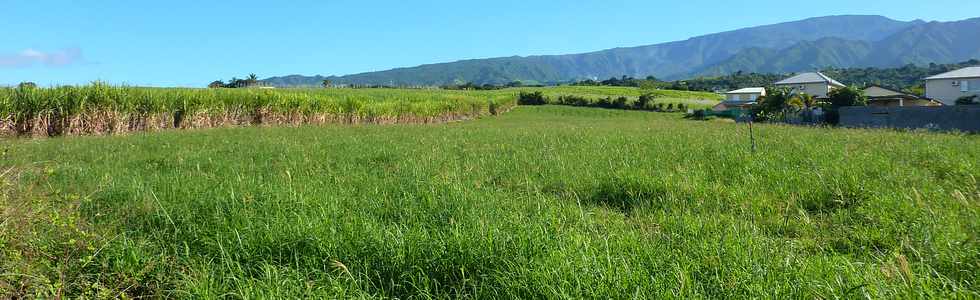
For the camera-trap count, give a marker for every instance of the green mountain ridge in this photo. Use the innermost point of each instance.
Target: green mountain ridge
(834, 41)
(923, 44)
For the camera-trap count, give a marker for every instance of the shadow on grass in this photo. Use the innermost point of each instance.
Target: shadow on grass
(828, 200)
(628, 195)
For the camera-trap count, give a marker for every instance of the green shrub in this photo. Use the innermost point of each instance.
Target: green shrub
(843, 97)
(532, 98)
(620, 103)
(643, 100)
(967, 100)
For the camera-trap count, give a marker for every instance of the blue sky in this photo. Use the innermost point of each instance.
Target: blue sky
(191, 43)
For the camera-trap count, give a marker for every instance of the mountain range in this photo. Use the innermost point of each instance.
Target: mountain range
(833, 41)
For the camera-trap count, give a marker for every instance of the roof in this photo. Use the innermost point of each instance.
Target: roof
(875, 91)
(970, 72)
(754, 90)
(733, 102)
(812, 77)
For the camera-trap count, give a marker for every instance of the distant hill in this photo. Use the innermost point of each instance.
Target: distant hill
(921, 44)
(835, 41)
(807, 55)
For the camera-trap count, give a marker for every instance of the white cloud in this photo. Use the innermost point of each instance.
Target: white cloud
(31, 57)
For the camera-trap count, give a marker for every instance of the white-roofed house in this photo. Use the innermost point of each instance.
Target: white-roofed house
(950, 86)
(741, 98)
(746, 94)
(815, 84)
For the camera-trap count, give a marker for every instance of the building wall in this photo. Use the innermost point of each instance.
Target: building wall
(944, 90)
(817, 90)
(742, 97)
(962, 118)
(896, 102)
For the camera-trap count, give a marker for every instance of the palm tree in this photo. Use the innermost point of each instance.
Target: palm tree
(802, 101)
(252, 79)
(808, 100)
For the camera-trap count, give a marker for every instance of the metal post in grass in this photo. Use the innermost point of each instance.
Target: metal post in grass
(751, 132)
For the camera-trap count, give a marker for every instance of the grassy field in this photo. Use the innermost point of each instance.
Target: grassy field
(541, 202)
(100, 109)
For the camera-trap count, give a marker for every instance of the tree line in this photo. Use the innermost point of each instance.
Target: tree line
(251, 81)
(645, 102)
(906, 78)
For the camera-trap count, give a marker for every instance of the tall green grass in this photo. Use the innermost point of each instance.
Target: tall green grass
(102, 109)
(542, 202)
(100, 97)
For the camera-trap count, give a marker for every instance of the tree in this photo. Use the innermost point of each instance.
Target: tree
(216, 84)
(774, 105)
(643, 101)
(776, 101)
(27, 85)
(970, 100)
(252, 79)
(802, 101)
(326, 83)
(648, 85)
(843, 97)
(535, 98)
(847, 96)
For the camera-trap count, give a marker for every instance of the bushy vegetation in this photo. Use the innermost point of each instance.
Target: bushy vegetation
(843, 97)
(968, 100)
(542, 202)
(251, 81)
(643, 102)
(774, 106)
(626, 97)
(532, 98)
(781, 103)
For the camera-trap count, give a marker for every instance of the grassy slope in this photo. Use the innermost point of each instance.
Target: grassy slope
(541, 202)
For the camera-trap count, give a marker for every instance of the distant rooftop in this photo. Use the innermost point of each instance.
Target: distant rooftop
(812, 77)
(971, 72)
(875, 91)
(753, 90)
(739, 102)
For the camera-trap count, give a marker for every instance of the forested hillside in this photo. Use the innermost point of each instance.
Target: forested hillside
(817, 43)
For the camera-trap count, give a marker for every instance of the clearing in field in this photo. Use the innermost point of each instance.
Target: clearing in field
(541, 202)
